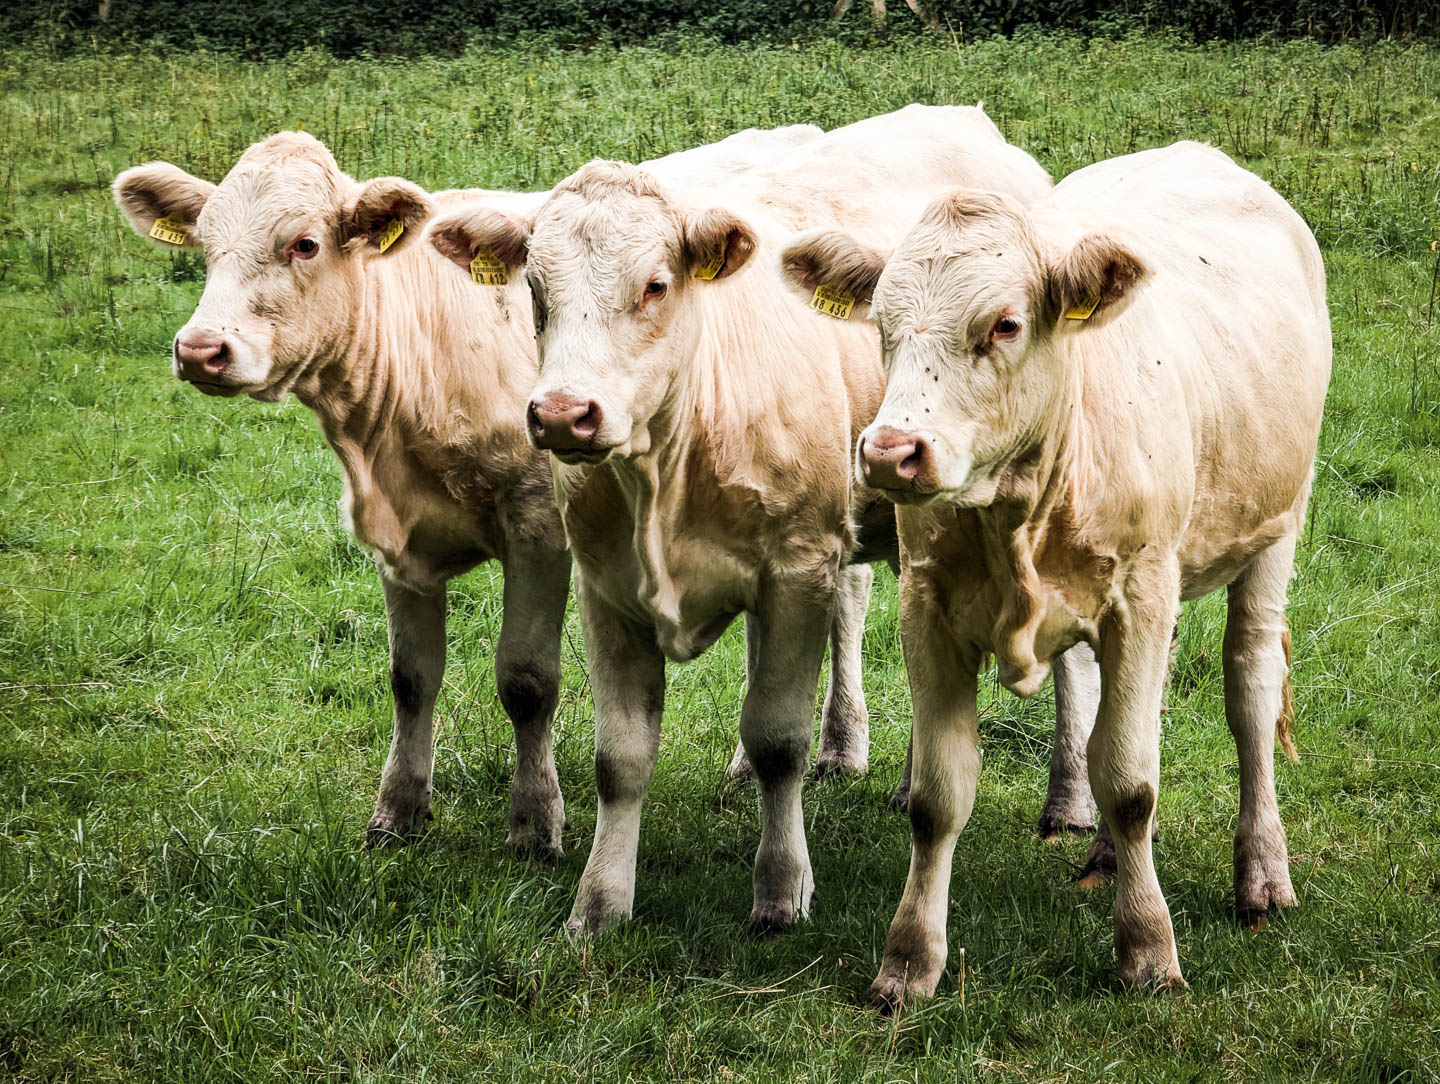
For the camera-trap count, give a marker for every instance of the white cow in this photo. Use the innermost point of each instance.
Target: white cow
(419, 385)
(1096, 408)
(702, 431)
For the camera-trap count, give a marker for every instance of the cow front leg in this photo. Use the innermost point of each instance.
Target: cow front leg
(1124, 764)
(845, 723)
(527, 675)
(1257, 699)
(1069, 805)
(416, 624)
(945, 766)
(627, 676)
(775, 725)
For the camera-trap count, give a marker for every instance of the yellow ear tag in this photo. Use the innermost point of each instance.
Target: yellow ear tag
(711, 267)
(392, 233)
(832, 302)
(487, 270)
(1083, 310)
(170, 230)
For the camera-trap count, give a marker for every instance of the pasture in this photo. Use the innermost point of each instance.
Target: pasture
(193, 704)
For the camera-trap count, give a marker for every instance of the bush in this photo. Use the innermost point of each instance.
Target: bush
(273, 27)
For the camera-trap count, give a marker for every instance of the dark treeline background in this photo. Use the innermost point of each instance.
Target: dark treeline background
(271, 27)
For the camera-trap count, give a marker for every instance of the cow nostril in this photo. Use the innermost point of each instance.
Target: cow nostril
(201, 356)
(532, 419)
(588, 424)
(910, 466)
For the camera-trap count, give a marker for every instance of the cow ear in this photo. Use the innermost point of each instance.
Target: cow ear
(162, 201)
(834, 272)
(717, 244)
(1096, 277)
(461, 234)
(382, 215)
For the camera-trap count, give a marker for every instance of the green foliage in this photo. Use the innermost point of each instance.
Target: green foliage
(193, 705)
(274, 27)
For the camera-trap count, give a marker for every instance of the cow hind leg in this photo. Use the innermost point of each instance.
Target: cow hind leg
(740, 769)
(845, 724)
(527, 675)
(900, 798)
(1257, 701)
(417, 666)
(1069, 805)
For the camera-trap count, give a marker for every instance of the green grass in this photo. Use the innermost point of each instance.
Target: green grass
(193, 711)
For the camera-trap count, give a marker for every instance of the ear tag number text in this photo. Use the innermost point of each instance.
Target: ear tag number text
(486, 269)
(170, 230)
(392, 233)
(832, 302)
(1083, 310)
(711, 267)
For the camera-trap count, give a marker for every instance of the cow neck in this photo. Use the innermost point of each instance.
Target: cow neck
(653, 483)
(417, 371)
(657, 481)
(1036, 492)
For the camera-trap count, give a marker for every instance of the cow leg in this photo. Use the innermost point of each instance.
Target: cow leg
(1124, 764)
(417, 667)
(740, 770)
(845, 724)
(1257, 697)
(900, 800)
(1069, 805)
(627, 675)
(527, 674)
(776, 725)
(945, 768)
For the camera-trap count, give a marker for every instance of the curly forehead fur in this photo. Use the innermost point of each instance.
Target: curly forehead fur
(277, 182)
(980, 243)
(607, 205)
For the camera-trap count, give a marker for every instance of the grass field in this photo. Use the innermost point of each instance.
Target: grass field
(193, 710)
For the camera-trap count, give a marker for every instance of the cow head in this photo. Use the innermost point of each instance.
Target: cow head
(971, 309)
(285, 237)
(614, 267)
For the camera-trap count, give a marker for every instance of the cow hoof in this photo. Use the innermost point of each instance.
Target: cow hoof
(594, 918)
(1057, 823)
(899, 982)
(900, 800)
(1163, 984)
(772, 919)
(1253, 909)
(536, 846)
(1262, 884)
(831, 765)
(1099, 864)
(887, 996)
(388, 829)
(537, 834)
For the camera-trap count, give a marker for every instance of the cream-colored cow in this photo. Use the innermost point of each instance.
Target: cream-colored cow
(1096, 408)
(703, 431)
(419, 383)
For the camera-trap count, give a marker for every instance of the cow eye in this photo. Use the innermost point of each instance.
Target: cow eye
(654, 291)
(1007, 327)
(537, 308)
(305, 248)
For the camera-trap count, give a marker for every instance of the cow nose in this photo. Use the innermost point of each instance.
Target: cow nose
(892, 459)
(563, 423)
(201, 357)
